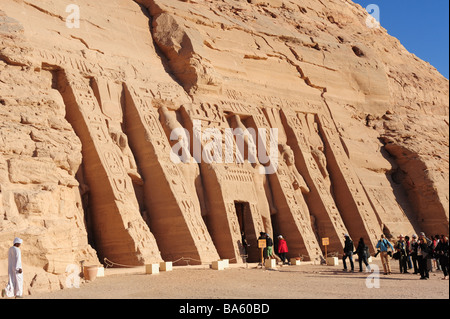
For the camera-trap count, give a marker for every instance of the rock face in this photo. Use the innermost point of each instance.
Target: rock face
(115, 136)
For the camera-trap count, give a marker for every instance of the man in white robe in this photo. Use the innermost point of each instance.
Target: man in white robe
(15, 283)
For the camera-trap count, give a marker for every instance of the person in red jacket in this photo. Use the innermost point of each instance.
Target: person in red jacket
(282, 249)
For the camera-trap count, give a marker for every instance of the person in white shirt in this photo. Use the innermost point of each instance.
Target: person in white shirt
(14, 287)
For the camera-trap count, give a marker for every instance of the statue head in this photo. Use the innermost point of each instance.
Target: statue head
(288, 155)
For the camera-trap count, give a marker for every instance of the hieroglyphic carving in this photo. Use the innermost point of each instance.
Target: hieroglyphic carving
(49, 59)
(188, 208)
(293, 187)
(142, 97)
(259, 181)
(237, 107)
(257, 220)
(114, 205)
(239, 175)
(308, 140)
(109, 94)
(97, 124)
(211, 114)
(113, 163)
(231, 176)
(235, 231)
(287, 176)
(363, 210)
(167, 91)
(238, 99)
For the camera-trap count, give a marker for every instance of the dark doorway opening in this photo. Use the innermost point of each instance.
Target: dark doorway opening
(244, 216)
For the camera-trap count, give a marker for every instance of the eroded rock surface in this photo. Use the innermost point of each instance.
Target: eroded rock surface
(86, 117)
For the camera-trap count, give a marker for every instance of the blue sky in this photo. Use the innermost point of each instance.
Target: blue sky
(422, 26)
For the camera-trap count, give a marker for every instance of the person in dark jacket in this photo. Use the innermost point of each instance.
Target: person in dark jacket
(245, 244)
(400, 247)
(363, 254)
(414, 244)
(441, 253)
(408, 252)
(269, 242)
(423, 253)
(262, 236)
(348, 253)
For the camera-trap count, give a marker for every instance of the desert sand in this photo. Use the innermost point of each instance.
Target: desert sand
(252, 282)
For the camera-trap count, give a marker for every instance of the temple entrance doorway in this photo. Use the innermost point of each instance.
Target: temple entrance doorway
(248, 234)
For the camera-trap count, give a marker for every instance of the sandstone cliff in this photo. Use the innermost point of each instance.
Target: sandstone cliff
(86, 116)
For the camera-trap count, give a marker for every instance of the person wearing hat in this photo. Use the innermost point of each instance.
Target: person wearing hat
(414, 244)
(14, 288)
(400, 247)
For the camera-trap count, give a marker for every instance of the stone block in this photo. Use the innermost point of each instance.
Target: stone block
(270, 263)
(101, 271)
(218, 265)
(295, 262)
(333, 261)
(226, 263)
(151, 269)
(166, 266)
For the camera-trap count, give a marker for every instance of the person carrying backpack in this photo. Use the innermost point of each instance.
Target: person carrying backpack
(383, 245)
(363, 254)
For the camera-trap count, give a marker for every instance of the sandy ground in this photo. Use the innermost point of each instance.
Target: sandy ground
(251, 282)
